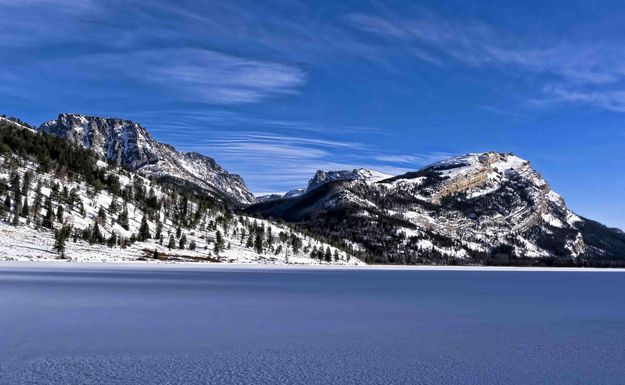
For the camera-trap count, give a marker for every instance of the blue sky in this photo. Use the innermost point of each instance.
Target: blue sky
(275, 90)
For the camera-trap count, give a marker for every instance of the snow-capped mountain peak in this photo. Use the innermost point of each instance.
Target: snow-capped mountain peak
(467, 206)
(130, 145)
(361, 174)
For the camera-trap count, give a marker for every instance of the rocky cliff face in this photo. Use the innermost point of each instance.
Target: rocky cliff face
(362, 174)
(464, 207)
(130, 145)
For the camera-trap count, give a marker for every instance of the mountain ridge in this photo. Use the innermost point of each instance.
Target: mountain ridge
(473, 207)
(463, 207)
(130, 145)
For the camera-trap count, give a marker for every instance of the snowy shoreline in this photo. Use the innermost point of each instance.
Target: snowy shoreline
(254, 266)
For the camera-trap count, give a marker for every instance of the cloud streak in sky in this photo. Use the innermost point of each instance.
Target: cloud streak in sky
(588, 69)
(215, 77)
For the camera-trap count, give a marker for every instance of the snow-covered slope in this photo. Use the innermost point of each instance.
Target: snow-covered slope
(16, 122)
(273, 197)
(243, 239)
(473, 206)
(130, 145)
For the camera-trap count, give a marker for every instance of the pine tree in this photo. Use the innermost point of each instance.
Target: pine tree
(101, 215)
(37, 203)
(122, 218)
(59, 213)
(60, 239)
(183, 242)
(144, 230)
(192, 245)
(26, 183)
(112, 241)
(219, 243)
(96, 235)
(48, 218)
(7, 203)
(15, 187)
(159, 230)
(113, 206)
(269, 236)
(172, 243)
(258, 242)
(25, 208)
(328, 254)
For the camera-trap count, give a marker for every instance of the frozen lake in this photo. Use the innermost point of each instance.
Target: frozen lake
(171, 325)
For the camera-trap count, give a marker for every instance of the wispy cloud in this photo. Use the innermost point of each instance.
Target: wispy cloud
(194, 74)
(215, 77)
(414, 159)
(275, 162)
(588, 69)
(609, 100)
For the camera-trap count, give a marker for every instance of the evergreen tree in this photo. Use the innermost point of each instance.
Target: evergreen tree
(37, 203)
(59, 213)
(192, 245)
(258, 242)
(48, 218)
(328, 254)
(113, 206)
(25, 208)
(122, 218)
(219, 242)
(73, 198)
(296, 243)
(101, 215)
(96, 235)
(26, 183)
(7, 203)
(269, 236)
(172, 243)
(183, 242)
(144, 230)
(112, 241)
(60, 239)
(159, 230)
(15, 187)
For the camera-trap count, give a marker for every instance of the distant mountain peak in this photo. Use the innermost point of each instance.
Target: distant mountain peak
(321, 177)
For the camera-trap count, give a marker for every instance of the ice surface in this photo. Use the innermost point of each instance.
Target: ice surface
(167, 325)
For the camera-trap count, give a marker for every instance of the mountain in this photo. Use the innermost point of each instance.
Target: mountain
(59, 200)
(131, 146)
(484, 207)
(17, 122)
(360, 174)
(289, 194)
